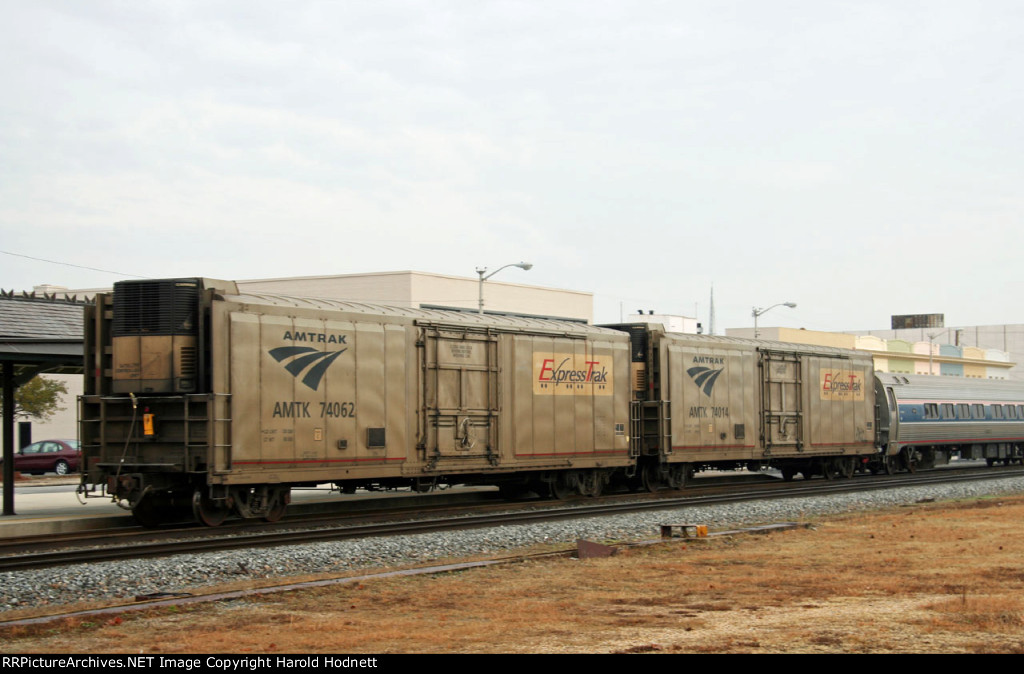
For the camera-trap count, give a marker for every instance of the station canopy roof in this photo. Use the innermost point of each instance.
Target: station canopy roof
(40, 334)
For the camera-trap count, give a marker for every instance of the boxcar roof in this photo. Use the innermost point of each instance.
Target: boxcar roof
(717, 340)
(423, 316)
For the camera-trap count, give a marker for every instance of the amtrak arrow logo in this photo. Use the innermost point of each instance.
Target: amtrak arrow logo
(316, 361)
(705, 377)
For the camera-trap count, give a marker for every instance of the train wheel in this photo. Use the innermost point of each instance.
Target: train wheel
(651, 479)
(828, 469)
(890, 465)
(279, 500)
(207, 511)
(276, 512)
(788, 473)
(848, 467)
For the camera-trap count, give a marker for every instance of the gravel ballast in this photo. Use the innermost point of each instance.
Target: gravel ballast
(194, 573)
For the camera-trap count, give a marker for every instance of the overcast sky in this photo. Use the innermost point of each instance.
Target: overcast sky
(861, 158)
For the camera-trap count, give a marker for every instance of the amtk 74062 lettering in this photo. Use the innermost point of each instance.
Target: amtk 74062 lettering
(202, 398)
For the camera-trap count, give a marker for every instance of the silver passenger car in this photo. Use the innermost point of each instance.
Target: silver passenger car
(924, 420)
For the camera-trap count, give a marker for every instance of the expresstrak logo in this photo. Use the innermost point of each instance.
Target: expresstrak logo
(705, 377)
(313, 361)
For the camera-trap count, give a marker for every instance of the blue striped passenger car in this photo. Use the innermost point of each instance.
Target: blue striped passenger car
(924, 420)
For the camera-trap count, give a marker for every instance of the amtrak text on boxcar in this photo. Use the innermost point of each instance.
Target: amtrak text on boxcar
(314, 337)
(703, 412)
(291, 410)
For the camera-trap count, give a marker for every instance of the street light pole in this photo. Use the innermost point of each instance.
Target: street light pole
(931, 347)
(757, 312)
(526, 266)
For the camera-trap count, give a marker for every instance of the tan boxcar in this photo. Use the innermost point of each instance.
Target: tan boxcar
(720, 402)
(275, 391)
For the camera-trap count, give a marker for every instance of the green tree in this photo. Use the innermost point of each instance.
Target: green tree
(39, 398)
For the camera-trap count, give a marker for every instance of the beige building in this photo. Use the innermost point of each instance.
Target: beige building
(901, 355)
(797, 336)
(986, 351)
(423, 289)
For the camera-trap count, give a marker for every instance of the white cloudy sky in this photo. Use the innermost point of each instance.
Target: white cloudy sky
(860, 158)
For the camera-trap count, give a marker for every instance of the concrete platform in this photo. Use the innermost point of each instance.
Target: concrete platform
(49, 505)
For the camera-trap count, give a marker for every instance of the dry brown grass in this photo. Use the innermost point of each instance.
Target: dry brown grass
(932, 578)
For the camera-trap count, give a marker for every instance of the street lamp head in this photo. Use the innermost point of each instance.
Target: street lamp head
(482, 271)
(758, 312)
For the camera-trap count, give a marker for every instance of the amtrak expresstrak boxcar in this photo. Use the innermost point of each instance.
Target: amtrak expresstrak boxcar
(714, 401)
(232, 398)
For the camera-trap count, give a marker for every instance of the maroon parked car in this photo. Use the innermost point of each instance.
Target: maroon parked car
(56, 456)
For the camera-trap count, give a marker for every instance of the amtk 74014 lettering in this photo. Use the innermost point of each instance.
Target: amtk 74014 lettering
(204, 399)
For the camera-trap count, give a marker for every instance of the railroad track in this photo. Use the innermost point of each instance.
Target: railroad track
(194, 541)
